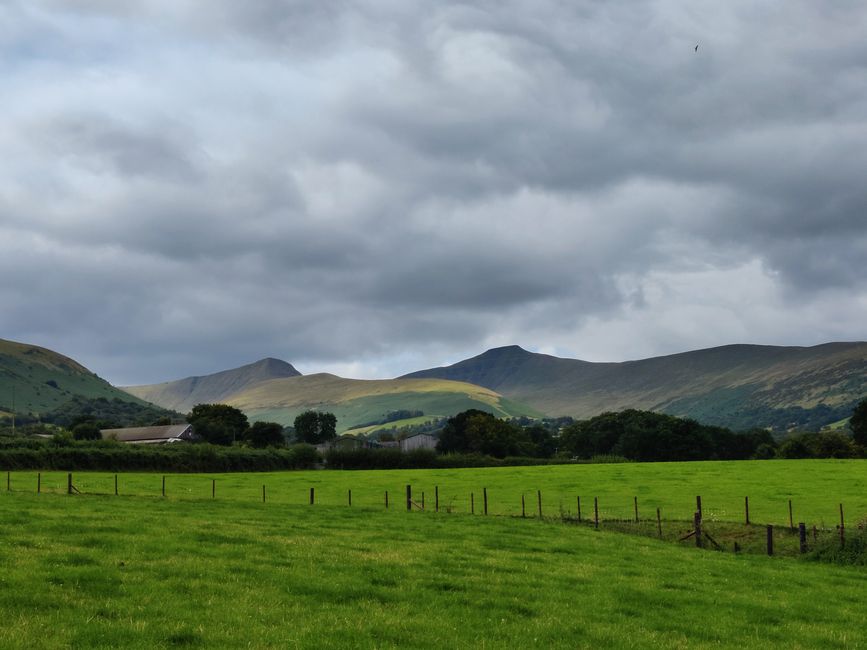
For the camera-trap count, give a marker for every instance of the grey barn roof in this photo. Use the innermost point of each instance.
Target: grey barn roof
(141, 435)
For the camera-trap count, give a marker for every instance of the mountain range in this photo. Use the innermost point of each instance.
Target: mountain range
(738, 386)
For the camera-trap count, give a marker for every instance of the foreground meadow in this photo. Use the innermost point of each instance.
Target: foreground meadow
(91, 571)
(815, 487)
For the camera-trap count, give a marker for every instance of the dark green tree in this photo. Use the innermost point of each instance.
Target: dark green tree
(475, 431)
(315, 427)
(86, 431)
(453, 437)
(858, 423)
(265, 434)
(219, 424)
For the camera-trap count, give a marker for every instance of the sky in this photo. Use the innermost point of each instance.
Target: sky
(371, 188)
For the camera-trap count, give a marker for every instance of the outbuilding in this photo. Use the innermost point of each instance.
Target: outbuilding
(152, 435)
(418, 441)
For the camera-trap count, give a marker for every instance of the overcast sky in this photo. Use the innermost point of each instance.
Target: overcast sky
(371, 188)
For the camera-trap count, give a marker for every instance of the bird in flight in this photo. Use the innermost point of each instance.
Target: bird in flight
(696, 47)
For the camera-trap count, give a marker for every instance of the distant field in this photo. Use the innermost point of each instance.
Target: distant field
(152, 573)
(408, 422)
(816, 488)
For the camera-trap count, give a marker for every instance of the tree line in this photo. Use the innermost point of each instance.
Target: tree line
(642, 436)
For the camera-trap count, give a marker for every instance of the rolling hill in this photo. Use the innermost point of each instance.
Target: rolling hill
(43, 380)
(739, 386)
(263, 396)
(183, 394)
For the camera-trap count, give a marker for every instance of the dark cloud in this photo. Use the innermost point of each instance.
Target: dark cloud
(373, 187)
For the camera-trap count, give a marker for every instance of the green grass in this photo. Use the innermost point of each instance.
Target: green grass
(839, 425)
(816, 488)
(394, 424)
(143, 572)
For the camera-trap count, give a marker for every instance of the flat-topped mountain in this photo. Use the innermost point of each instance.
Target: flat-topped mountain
(182, 394)
(732, 385)
(43, 380)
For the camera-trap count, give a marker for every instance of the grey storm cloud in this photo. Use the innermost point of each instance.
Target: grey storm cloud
(382, 186)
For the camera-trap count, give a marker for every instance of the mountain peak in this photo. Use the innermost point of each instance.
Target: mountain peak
(506, 349)
(277, 367)
(183, 394)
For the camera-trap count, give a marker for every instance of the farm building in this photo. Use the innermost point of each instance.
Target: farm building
(346, 441)
(418, 441)
(152, 435)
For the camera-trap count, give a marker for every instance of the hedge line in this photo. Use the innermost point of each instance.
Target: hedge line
(164, 458)
(423, 459)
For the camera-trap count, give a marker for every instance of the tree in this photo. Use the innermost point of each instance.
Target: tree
(475, 431)
(315, 427)
(453, 438)
(265, 434)
(218, 424)
(858, 423)
(86, 431)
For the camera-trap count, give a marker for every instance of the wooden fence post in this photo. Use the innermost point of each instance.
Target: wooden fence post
(696, 519)
(635, 502)
(312, 496)
(38, 482)
(472, 504)
(349, 496)
(539, 497)
(596, 512)
(698, 506)
(436, 498)
(770, 539)
(485, 496)
(386, 499)
(213, 488)
(164, 486)
(263, 494)
(658, 523)
(8, 482)
(69, 483)
(523, 506)
(842, 528)
(791, 521)
(747, 510)
(115, 485)
(408, 498)
(802, 536)
(422, 500)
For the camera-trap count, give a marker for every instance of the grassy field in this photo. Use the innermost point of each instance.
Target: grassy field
(816, 488)
(395, 424)
(96, 571)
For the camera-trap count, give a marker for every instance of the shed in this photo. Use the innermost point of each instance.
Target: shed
(418, 441)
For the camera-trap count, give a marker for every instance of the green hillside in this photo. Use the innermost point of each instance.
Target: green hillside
(183, 394)
(356, 401)
(738, 386)
(43, 380)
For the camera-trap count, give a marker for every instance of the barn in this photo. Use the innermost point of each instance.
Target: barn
(152, 435)
(418, 441)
